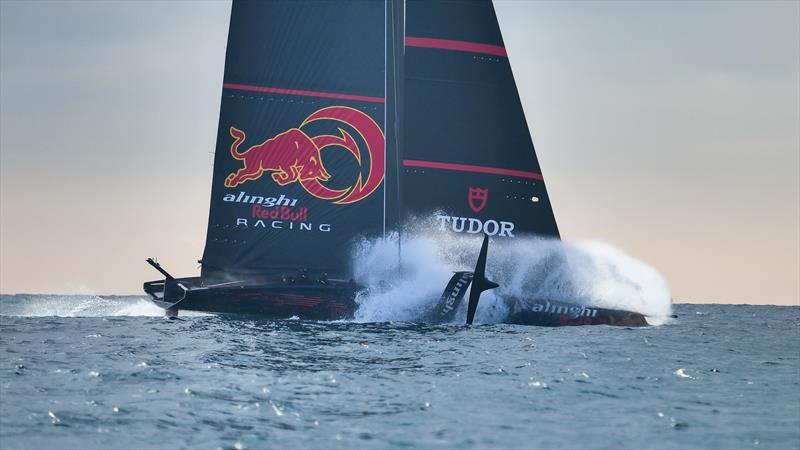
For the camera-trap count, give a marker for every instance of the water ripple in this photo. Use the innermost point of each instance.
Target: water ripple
(214, 382)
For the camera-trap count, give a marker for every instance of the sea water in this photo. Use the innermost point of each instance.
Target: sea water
(110, 372)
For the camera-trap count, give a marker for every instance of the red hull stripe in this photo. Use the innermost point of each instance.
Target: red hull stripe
(469, 168)
(461, 46)
(272, 90)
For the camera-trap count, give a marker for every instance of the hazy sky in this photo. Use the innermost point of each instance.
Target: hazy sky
(668, 129)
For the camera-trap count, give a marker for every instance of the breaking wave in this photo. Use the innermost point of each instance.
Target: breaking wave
(40, 305)
(591, 274)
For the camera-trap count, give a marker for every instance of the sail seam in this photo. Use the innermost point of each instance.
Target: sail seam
(451, 81)
(471, 168)
(274, 90)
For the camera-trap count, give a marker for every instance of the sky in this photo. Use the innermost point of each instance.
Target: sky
(670, 130)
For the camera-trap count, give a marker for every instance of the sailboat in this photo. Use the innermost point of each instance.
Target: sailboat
(341, 120)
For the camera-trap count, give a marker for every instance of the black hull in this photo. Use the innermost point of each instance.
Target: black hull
(311, 301)
(336, 301)
(599, 316)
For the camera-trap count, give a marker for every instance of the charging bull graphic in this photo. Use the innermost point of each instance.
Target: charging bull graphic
(293, 156)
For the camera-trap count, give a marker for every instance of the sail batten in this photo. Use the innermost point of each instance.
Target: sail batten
(471, 168)
(451, 44)
(280, 90)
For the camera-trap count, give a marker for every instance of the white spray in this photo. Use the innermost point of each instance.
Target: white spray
(591, 274)
(82, 305)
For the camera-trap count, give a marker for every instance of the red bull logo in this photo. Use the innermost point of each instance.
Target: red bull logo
(295, 157)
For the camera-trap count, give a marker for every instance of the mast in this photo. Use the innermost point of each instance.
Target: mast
(394, 81)
(394, 68)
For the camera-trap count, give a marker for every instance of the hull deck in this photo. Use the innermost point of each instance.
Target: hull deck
(312, 301)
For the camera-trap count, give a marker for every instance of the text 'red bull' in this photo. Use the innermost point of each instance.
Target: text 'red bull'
(280, 213)
(293, 156)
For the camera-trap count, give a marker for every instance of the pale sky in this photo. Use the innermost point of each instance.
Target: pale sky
(668, 129)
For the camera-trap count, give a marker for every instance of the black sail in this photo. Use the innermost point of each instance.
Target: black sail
(301, 152)
(467, 154)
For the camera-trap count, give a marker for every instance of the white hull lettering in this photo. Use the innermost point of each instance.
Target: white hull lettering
(579, 311)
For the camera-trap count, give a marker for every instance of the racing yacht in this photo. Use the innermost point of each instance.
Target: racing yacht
(340, 121)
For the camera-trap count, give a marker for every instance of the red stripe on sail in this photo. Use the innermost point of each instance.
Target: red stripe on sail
(461, 46)
(272, 90)
(470, 168)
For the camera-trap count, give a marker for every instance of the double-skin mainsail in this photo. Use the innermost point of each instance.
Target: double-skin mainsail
(340, 120)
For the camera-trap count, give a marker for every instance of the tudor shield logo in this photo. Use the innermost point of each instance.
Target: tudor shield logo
(477, 198)
(295, 157)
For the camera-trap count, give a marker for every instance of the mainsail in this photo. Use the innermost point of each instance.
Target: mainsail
(301, 152)
(342, 120)
(467, 154)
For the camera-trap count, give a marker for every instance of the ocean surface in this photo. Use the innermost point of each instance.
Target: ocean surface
(90, 372)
